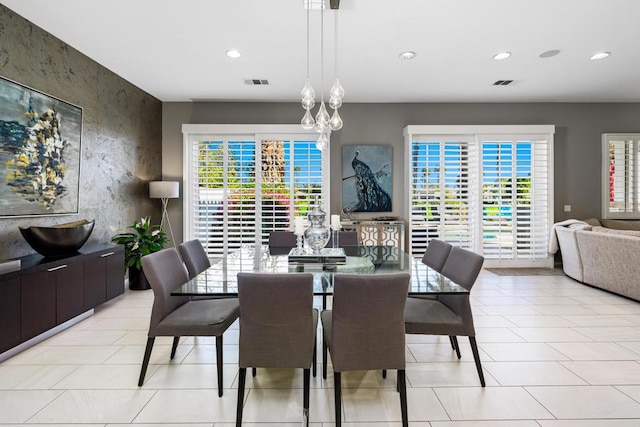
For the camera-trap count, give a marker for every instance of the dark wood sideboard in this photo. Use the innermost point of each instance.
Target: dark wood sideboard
(44, 293)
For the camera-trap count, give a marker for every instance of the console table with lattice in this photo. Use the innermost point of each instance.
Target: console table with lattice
(377, 233)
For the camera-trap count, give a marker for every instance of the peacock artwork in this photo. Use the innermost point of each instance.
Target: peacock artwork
(39, 152)
(366, 178)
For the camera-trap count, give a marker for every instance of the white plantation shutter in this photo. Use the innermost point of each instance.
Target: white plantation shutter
(490, 193)
(239, 188)
(515, 203)
(440, 184)
(620, 176)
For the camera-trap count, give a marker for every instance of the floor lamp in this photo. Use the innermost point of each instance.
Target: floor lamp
(165, 190)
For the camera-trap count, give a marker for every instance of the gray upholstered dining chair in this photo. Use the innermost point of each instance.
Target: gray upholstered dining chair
(449, 314)
(277, 327)
(178, 316)
(365, 329)
(281, 242)
(194, 256)
(436, 254)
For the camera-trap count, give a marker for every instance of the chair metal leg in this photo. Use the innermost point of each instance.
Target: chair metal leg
(145, 360)
(174, 347)
(241, 380)
(254, 371)
(324, 358)
(402, 385)
(305, 398)
(384, 373)
(453, 347)
(456, 347)
(315, 357)
(337, 390)
(219, 363)
(476, 357)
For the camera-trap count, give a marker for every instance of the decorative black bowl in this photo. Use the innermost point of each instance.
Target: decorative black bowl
(57, 240)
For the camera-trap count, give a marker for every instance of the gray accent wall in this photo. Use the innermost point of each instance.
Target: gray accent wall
(577, 150)
(122, 131)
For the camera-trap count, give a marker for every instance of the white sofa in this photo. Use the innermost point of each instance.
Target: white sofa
(603, 257)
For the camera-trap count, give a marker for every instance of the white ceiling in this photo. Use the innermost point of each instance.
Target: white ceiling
(175, 49)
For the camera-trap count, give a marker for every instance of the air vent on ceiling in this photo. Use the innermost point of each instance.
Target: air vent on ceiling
(502, 82)
(256, 82)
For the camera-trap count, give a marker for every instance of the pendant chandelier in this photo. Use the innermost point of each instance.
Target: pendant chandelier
(322, 123)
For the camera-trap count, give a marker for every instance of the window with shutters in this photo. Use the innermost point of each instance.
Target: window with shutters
(620, 176)
(240, 187)
(484, 188)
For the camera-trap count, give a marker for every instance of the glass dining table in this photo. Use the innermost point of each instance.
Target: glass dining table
(221, 278)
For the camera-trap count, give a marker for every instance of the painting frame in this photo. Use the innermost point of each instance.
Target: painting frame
(367, 178)
(40, 152)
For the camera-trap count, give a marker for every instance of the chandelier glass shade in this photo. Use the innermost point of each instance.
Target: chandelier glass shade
(322, 122)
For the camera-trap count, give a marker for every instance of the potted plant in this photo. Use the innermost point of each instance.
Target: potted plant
(139, 240)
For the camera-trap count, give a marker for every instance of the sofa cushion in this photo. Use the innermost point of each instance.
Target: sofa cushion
(621, 224)
(578, 226)
(593, 221)
(635, 233)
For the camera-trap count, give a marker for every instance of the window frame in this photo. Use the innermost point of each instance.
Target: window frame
(193, 133)
(606, 212)
(480, 134)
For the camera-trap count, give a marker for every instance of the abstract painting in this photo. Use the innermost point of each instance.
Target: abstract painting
(40, 140)
(367, 178)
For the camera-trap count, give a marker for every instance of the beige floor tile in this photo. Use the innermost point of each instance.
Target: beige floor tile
(73, 355)
(631, 345)
(189, 406)
(110, 377)
(433, 352)
(510, 423)
(500, 300)
(595, 351)
(631, 391)
(628, 333)
(189, 377)
(482, 321)
(94, 406)
(285, 406)
(497, 335)
(114, 324)
(446, 375)
(599, 320)
(20, 405)
(620, 308)
(574, 402)
(207, 354)
(33, 377)
(80, 337)
(590, 423)
(366, 405)
(514, 352)
(540, 321)
(531, 373)
(161, 354)
(550, 300)
(550, 335)
(490, 403)
(564, 309)
(509, 310)
(606, 372)
(279, 378)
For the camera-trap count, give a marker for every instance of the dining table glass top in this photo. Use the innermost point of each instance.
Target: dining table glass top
(221, 278)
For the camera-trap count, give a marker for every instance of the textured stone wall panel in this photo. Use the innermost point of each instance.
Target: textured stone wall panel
(122, 131)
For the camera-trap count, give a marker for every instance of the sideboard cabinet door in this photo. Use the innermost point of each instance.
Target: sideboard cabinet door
(37, 303)
(9, 314)
(115, 274)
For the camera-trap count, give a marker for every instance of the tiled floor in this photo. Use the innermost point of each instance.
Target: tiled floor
(555, 354)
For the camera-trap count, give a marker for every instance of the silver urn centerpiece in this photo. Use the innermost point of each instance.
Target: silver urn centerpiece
(317, 235)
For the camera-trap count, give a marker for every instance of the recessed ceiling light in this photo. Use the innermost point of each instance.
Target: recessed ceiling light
(549, 53)
(233, 53)
(600, 55)
(407, 55)
(502, 55)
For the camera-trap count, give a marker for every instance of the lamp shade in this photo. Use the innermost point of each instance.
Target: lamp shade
(164, 190)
